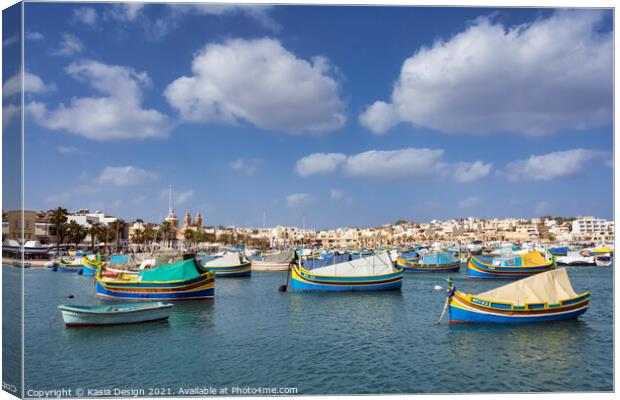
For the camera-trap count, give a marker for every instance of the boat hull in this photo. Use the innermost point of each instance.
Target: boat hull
(416, 267)
(232, 271)
(74, 317)
(303, 281)
(464, 309)
(202, 287)
(70, 267)
(269, 266)
(89, 268)
(478, 269)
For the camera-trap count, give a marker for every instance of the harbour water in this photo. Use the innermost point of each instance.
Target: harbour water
(251, 335)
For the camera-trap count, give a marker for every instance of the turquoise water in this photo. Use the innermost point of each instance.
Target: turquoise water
(252, 335)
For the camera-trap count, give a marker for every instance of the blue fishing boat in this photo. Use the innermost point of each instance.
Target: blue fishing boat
(373, 273)
(180, 281)
(559, 251)
(89, 267)
(548, 296)
(77, 315)
(229, 265)
(442, 261)
(513, 267)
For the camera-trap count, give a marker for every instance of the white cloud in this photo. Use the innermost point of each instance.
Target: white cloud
(260, 82)
(9, 113)
(125, 11)
(470, 202)
(32, 84)
(319, 163)
(10, 40)
(247, 166)
(465, 172)
(550, 75)
(380, 117)
(36, 36)
(126, 176)
(403, 164)
(85, 15)
(67, 150)
(69, 45)
(396, 164)
(300, 200)
(116, 115)
(175, 14)
(336, 194)
(260, 13)
(550, 166)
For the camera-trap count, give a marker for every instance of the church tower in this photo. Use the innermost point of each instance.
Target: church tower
(198, 220)
(187, 221)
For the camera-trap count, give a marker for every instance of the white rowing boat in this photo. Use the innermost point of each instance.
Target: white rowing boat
(76, 315)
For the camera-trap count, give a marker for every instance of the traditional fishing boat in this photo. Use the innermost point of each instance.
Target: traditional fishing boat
(598, 251)
(76, 315)
(180, 281)
(272, 262)
(559, 251)
(513, 267)
(71, 264)
(373, 273)
(442, 261)
(548, 296)
(90, 265)
(229, 265)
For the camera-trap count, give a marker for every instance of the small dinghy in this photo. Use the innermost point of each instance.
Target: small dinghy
(603, 260)
(75, 315)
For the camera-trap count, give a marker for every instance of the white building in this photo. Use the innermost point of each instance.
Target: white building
(86, 218)
(592, 225)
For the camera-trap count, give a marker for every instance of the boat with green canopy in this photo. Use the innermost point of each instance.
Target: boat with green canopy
(179, 281)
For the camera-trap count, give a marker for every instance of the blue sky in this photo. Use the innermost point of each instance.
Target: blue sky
(351, 116)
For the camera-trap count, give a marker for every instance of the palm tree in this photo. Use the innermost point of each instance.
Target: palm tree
(118, 227)
(77, 233)
(188, 236)
(104, 234)
(166, 229)
(148, 235)
(58, 217)
(94, 231)
(137, 237)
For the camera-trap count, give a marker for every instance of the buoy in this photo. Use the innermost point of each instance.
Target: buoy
(282, 288)
(437, 288)
(70, 296)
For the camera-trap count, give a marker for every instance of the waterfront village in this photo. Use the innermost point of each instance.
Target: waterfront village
(96, 230)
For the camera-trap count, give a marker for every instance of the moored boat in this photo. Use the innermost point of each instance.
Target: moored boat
(76, 315)
(179, 281)
(603, 260)
(575, 258)
(548, 296)
(559, 251)
(373, 273)
(441, 261)
(71, 264)
(90, 266)
(272, 262)
(229, 265)
(513, 267)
